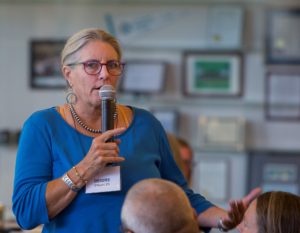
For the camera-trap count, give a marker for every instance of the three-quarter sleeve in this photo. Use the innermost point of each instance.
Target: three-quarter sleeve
(32, 172)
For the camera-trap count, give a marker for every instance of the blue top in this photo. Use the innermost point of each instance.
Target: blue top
(49, 147)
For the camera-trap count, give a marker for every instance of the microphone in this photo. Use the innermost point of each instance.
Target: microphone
(108, 107)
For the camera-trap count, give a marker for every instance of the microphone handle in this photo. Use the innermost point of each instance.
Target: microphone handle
(107, 123)
(108, 110)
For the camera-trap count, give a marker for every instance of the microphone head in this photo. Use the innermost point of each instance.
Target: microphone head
(107, 92)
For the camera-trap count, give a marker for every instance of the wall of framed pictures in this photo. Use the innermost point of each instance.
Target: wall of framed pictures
(173, 30)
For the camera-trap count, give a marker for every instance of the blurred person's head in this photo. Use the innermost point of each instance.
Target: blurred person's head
(186, 153)
(157, 206)
(272, 212)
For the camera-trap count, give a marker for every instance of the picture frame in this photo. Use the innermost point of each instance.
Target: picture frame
(282, 95)
(144, 77)
(274, 170)
(45, 69)
(169, 118)
(218, 133)
(213, 177)
(282, 38)
(213, 74)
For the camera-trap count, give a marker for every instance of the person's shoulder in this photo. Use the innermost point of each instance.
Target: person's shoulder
(144, 113)
(146, 117)
(41, 115)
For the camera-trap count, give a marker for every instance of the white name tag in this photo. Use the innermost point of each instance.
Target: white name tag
(108, 180)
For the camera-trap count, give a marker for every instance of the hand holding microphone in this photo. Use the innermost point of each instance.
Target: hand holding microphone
(108, 110)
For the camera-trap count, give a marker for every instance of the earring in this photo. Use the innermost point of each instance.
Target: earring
(71, 97)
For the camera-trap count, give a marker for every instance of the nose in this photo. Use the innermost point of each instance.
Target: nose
(103, 74)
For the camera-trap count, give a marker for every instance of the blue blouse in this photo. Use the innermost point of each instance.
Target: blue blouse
(49, 147)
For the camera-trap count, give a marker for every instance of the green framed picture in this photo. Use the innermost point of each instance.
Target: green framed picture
(213, 74)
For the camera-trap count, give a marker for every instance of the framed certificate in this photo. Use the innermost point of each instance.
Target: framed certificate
(213, 178)
(222, 133)
(282, 95)
(212, 73)
(283, 36)
(274, 171)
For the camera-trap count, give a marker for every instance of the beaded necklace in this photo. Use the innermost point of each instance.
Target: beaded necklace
(79, 121)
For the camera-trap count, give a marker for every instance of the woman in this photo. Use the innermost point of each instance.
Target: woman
(272, 212)
(62, 150)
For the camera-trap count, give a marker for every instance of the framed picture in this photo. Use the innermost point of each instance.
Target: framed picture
(274, 171)
(143, 77)
(45, 64)
(282, 36)
(213, 177)
(282, 95)
(169, 118)
(212, 73)
(222, 133)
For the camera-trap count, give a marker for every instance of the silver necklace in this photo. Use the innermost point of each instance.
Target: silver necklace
(79, 121)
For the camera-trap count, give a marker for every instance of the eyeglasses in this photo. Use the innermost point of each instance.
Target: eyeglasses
(93, 67)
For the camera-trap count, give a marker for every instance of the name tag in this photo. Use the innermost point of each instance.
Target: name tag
(108, 180)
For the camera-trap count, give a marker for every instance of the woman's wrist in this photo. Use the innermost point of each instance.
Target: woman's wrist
(74, 180)
(221, 226)
(67, 180)
(79, 176)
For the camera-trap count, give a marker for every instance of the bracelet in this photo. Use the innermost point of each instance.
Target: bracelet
(66, 179)
(221, 226)
(79, 176)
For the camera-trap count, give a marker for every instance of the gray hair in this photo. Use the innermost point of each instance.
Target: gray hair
(158, 206)
(81, 38)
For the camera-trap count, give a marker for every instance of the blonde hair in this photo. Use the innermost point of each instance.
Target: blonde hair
(81, 38)
(278, 212)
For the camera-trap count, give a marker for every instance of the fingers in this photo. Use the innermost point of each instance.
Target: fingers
(235, 214)
(251, 196)
(238, 208)
(238, 211)
(101, 147)
(110, 133)
(102, 152)
(108, 159)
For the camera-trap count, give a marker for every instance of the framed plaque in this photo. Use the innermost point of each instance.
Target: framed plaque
(222, 133)
(282, 95)
(274, 171)
(45, 64)
(212, 73)
(283, 36)
(213, 178)
(143, 77)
